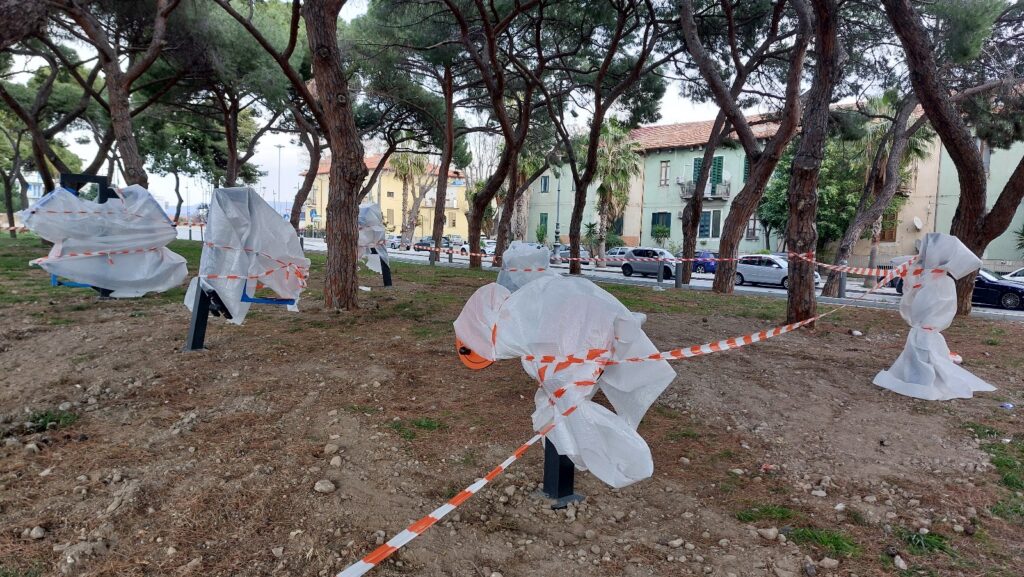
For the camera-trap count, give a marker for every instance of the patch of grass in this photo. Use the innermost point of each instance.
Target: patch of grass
(57, 321)
(41, 419)
(992, 342)
(6, 571)
(765, 513)
(663, 411)
(684, 433)
(856, 517)
(982, 431)
(361, 409)
(924, 544)
(1011, 509)
(427, 424)
(835, 542)
(403, 431)
(468, 457)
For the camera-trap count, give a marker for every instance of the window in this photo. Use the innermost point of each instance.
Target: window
(752, 225)
(545, 183)
(661, 219)
(544, 219)
(746, 168)
(889, 221)
(391, 194)
(391, 216)
(617, 225)
(663, 178)
(451, 219)
(717, 168)
(710, 224)
(302, 216)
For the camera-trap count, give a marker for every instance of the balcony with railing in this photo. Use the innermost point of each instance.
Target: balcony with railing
(719, 191)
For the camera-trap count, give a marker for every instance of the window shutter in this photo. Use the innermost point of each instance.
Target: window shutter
(697, 163)
(716, 170)
(746, 168)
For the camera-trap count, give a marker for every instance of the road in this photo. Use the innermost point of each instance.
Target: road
(885, 298)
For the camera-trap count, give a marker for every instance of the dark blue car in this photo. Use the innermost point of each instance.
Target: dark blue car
(991, 290)
(705, 261)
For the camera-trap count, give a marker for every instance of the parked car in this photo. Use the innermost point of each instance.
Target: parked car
(560, 254)
(394, 241)
(1015, 276)
(456, 239)
(991, 289)
(617, 253)
(487, 248)
(765, 269)
(427, 243)
(705, 262)
(648, 267)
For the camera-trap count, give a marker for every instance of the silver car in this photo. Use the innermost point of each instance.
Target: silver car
(765, 269)
(1015, 276)
(617, 253)
(645, 267)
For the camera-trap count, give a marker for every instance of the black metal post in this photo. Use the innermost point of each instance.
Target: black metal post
(200, 316)
(559, 477)
(661, 272)
(385, 270)
(679, 275)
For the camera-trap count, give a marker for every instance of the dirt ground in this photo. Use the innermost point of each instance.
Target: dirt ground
(122, 455)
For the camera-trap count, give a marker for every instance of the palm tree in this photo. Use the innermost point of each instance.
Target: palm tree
(408, 166)
(618, 161)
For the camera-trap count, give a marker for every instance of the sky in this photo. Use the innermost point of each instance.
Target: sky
(282, 168)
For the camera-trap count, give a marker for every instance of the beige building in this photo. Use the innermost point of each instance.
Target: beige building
(387, 192)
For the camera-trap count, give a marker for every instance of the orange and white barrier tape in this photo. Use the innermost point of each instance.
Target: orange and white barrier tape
(101, 212)
(105, 253)
(857, 270)
(378, 555)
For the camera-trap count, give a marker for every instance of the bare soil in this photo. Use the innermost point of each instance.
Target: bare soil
(172, 463)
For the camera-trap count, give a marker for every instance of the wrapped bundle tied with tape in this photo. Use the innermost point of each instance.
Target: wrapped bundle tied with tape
(924, 370)
(119, 245)
(372, 233)
(562, 317)
(248, 245)
(522, 263)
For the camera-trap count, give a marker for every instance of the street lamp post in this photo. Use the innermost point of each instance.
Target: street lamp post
(277, 195)
(558, 206)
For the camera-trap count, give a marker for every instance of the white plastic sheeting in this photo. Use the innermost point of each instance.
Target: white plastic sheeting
(522, 263)
(120, 245)
(559, 316)
(248, 244)
(924, 370)
(371, 236)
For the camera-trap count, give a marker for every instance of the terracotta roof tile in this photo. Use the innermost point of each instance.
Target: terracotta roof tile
(688, 134)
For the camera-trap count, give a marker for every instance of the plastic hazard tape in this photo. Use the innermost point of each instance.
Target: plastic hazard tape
(289, 267)
(862, 271)
(105, 253)
(378, 555)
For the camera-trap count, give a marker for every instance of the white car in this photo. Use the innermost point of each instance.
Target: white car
(488, 247)
(394, 241)
(1015, 276)
(766, 269)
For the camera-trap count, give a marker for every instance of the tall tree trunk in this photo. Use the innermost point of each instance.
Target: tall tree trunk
(307, 182)
(230, 114)
(177, 193)
(347, 166)
(694, 208)
(506, 162)
(441, 196)
(9, 201)
(121, 123)
(802, 231)
(406, 227)
(43, 167)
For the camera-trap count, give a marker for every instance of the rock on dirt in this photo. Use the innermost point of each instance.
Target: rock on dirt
(324, 486)
(37, 532)
(828, 563)
(771, 533)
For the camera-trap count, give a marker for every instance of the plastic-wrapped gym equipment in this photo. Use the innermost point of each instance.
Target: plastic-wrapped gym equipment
(372, 233)
(248, 245)
(924, 370)
(522, 263)
(563, 317)
(119, 245)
